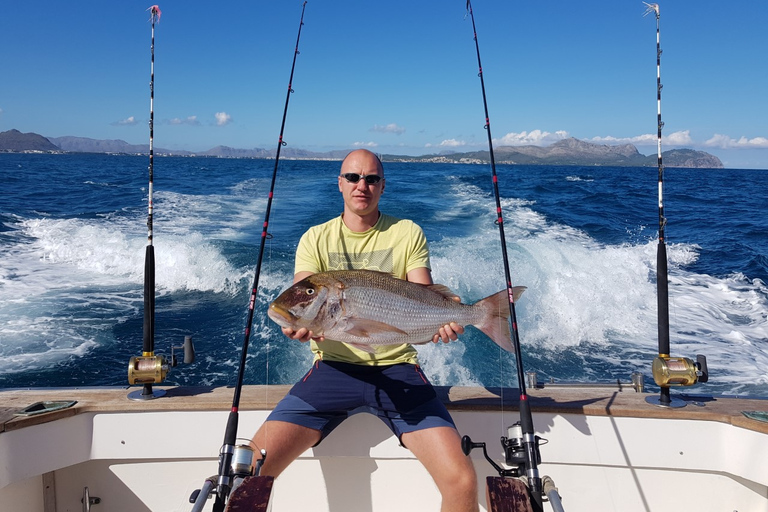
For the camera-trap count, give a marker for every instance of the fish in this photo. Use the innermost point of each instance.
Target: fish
(366, 308)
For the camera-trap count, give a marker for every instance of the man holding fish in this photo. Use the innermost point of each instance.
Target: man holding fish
(362, 324)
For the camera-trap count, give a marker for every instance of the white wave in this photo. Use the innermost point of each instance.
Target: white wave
(220, 216)
(97, 264)
(73, 251)
(588, 295)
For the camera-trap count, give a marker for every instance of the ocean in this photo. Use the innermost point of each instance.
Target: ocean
(582, 239)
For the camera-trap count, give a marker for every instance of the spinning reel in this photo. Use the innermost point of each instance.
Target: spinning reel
(242, 466)
(514, 451)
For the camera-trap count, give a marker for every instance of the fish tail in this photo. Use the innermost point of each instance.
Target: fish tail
(495, 323)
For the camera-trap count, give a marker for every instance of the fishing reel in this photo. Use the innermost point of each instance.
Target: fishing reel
(676, 371)
(242, 466)
(514, 451)
(149, 369)
(679, 371)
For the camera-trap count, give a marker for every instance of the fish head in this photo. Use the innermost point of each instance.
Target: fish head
(303, 304)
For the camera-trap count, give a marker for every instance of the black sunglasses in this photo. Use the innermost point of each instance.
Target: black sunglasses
(370, 179)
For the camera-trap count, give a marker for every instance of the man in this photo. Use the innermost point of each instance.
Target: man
(364, 238)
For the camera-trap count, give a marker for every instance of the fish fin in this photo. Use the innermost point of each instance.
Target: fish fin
(365, 348)
(365, 327)
(444, 291)
(495, 324)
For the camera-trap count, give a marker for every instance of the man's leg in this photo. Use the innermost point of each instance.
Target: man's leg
(439, 449)
(284, 442)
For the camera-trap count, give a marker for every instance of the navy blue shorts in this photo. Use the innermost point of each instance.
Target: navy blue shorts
(400, 395)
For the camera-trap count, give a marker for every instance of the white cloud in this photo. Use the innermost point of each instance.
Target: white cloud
(364, 144)
(1, 111)
(642, 140)
(725, 142)
(129, 121)
(223, 119)
(681, 138)
(191, 120)
(677, 138)
(390, 128)
(534, 137)
(452, 143)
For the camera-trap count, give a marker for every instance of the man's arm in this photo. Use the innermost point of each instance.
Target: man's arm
(423, 275)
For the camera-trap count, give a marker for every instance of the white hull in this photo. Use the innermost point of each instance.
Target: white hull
(607, 450)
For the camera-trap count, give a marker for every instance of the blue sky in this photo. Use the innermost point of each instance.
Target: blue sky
(395, 76)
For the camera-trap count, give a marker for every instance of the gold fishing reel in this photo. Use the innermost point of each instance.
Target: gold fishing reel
(679, 371)
(147, 369)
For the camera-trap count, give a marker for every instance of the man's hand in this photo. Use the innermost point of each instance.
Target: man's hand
(448, 333)
(303, 335)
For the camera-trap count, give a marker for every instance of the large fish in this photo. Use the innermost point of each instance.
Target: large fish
(366, 308)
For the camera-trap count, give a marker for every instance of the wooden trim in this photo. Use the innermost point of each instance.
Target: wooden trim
(588, 401)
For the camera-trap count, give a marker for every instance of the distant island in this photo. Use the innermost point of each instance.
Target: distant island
(564, 152)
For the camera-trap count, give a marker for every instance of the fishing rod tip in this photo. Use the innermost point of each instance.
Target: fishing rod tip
(651, 8)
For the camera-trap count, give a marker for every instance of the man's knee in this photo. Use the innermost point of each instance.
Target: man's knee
(461, 495)
(283, 443)
(466, 480)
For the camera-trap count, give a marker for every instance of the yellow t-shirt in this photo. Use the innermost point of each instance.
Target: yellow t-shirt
(393, 245)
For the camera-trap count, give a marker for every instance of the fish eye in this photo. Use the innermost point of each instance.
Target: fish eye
(310, 291)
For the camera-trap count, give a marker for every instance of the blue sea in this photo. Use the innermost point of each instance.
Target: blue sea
(582, 239)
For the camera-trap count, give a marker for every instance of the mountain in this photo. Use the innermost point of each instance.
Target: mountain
(564, 152)
(687, 158)
(227, 152)
(86, 145)
(15, 141)
(578, 152)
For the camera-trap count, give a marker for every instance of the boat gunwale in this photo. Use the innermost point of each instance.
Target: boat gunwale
(590, 401)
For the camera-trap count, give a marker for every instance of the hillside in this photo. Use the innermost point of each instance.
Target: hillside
(564, 152)
(576, 152)
(15, 141)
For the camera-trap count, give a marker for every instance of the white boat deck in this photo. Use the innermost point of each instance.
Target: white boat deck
(607, 449)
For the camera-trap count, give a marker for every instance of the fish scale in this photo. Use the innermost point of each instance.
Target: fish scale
(421, 319)
(365, 308)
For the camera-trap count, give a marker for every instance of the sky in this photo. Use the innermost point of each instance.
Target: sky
(394, 76)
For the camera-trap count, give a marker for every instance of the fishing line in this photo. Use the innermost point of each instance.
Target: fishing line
(224, 483)
(526, 419)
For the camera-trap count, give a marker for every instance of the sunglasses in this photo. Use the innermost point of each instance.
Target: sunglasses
(370, 179)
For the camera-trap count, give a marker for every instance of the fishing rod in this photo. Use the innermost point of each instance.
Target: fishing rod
(523, 446)
(148, 368)
(667, 371)
(225, 480)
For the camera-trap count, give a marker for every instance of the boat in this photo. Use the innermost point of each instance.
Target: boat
(602, 447)
(605, 447)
